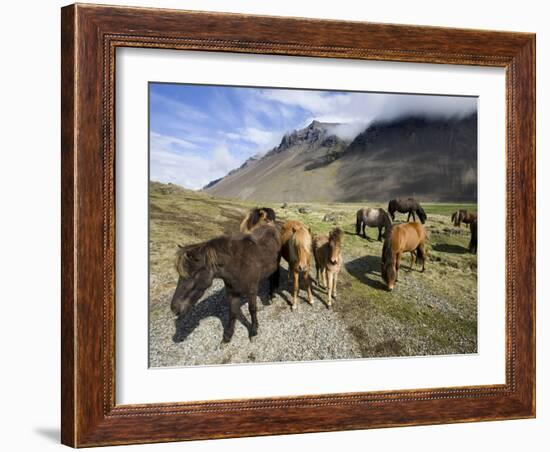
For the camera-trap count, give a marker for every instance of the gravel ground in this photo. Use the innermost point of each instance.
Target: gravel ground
(307, 334)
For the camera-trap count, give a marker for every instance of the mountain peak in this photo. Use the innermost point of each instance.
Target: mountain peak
(315, 124)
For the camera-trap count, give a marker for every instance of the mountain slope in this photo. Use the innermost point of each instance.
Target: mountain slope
(433, 159)
(289, 171)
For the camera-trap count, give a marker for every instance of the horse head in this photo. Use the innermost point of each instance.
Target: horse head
(336, 237)
(301, 247)
(195, 266)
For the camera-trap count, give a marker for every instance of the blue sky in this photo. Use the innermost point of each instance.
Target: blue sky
(198, 133)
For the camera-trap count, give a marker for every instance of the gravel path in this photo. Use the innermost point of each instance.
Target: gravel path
(307, 334)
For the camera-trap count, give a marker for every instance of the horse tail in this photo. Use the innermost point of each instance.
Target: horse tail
(359, 221)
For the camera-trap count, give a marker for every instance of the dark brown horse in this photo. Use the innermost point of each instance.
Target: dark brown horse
(407, 205)
(473, 236)
(371, 217)
(256, 217)
(242, 261)
(463, 216)
(296, 250)
(402, 238)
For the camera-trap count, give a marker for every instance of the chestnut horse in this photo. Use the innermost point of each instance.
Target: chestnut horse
(296, 250)
(327, 249)
(402, 238)
(241, 260)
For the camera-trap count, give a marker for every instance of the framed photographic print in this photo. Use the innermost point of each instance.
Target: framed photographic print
(282, 225)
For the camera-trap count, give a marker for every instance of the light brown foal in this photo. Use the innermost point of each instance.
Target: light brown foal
(327, 249)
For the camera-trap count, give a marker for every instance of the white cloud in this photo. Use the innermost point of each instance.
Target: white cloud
(347, 131)
(158, 140)
(358, 110)
(264, 140)
(170, 161)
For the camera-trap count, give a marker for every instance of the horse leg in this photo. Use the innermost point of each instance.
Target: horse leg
(296, 288)
(397, 262)
(423, 255)
(413, 259)
(379, 233)
(334, 291)
(234, 311)
(274, 280)
(253, 309)
(318, 270)
(414, 217)
(307, 280)
(364, 233)
(330, 286)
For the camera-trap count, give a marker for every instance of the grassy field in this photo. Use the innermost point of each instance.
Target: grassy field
(428, 313)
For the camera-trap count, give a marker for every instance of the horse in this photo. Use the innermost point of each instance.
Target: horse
(407, 205)
(473, 237)
(256, 217)
(241, 260)
(402, 238)
(373, 218)
(327, 249)
(463, 216)
(296, 250)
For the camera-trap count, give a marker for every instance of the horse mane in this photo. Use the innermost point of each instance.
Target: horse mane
(387, 218)
(387, 255)
(336, 235)
(208, 248)
(421, 213)
(256, 215)
(301, 237)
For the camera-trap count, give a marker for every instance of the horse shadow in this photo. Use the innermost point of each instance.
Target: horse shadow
(446, 248)
(286, 287)
(364, 268)
(214, 305)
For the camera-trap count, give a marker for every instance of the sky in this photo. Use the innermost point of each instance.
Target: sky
(198, 133)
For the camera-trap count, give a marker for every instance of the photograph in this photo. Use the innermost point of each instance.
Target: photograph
(302, 225)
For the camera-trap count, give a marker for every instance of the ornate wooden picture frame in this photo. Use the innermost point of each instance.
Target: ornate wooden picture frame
(90, 37)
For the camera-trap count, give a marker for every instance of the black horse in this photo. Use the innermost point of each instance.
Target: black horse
(407, 205)
(242, 261)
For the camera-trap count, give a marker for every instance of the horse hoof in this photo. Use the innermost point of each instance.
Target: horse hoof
(293, 307)
(253, 338)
